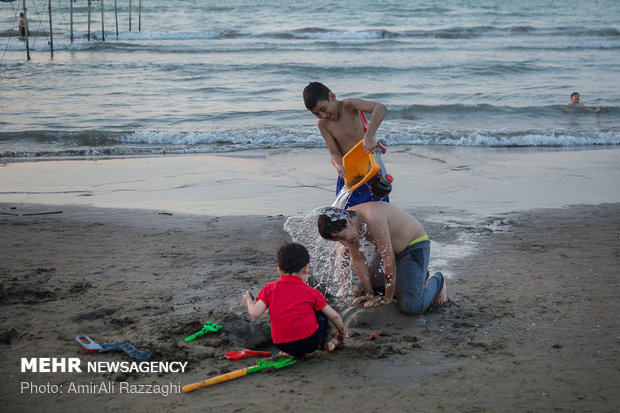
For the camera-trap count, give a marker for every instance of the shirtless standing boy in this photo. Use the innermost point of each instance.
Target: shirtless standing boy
(342, 129)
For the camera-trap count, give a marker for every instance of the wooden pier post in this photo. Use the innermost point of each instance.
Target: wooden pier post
(49, 6)
(116, 17)
(89, 20)
(26, 31)
(71, 12)
(102, 27)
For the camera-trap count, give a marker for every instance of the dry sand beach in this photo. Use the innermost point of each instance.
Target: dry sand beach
(149, 249)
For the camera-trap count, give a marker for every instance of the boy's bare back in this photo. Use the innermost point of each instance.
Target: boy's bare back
(384, 219)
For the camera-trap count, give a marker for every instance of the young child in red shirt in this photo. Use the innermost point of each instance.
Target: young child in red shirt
(296, 311)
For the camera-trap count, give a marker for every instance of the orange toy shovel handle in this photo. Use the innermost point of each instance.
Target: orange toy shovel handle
(215, 380)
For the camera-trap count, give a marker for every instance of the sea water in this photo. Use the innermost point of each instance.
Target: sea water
(205, 76)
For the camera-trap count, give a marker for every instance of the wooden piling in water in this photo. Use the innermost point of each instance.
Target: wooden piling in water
(102, 28)
(71, 12)
(49, 6)
(116, 17)
(72, 36)
(26, 31)
(89, 20)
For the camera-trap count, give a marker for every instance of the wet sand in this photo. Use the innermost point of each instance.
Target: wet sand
(150, 249)
(532, 323)
(477, 181)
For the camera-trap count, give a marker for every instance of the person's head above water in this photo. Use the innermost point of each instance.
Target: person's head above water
(332, 221)
(574, 97)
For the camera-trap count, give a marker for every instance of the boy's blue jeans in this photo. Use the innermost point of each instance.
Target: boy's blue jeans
(414, 297)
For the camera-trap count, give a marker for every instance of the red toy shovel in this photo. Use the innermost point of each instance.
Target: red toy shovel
(240, 354)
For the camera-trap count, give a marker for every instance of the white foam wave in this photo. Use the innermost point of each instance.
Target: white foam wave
(174, 141)
(478, 139)
(262, 137)
(503, 138)
(311, 138)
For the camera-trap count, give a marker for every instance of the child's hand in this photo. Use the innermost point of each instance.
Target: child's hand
(376, 301)
(248, 297)
(360, 300)
(371, 300)
(370, 144)
(340, 170)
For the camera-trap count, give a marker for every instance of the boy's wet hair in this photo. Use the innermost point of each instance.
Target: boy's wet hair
(314, 93)
(332, 220)
(292, 257)
(573, 94)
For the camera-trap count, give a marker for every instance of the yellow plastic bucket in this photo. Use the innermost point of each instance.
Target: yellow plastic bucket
(359, 166)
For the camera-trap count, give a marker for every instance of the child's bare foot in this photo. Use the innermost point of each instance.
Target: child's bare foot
(284, 355)
(442, 297)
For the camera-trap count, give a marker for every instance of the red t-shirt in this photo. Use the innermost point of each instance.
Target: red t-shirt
(291, 304)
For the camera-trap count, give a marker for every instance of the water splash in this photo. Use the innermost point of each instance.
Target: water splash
(331, 270)
(342, 198)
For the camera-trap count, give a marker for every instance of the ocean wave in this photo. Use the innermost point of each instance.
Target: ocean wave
(504, 138)
(547, 111)
(101, 143)
(563, 47)
(315, 33)
(321, 33)
(318, 33)
(479, 31)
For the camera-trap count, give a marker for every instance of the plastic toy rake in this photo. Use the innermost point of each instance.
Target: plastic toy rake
(207, 328)
(260, 365)
(126, 347)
